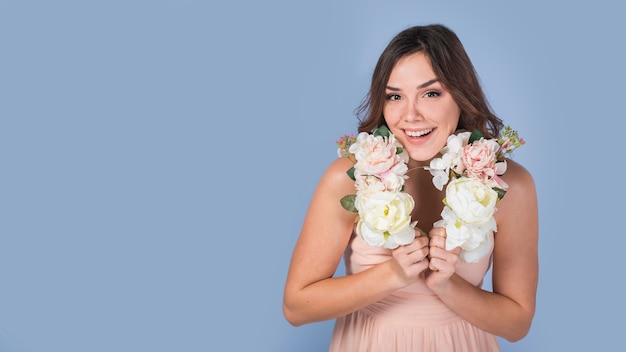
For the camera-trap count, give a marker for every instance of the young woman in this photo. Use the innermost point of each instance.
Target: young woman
(418, 296)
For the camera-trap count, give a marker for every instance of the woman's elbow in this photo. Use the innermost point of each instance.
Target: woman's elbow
(291, 317)
(521, 331)
(516, 337)
(290, 311)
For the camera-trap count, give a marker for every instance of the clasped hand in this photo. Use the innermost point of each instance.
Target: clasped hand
(427, 256)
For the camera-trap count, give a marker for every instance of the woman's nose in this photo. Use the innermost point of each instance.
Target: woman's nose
(412, 111)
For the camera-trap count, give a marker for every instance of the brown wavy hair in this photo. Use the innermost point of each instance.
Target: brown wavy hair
(453, 69)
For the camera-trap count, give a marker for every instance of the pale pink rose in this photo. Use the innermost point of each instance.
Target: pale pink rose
(393, 180)
(370, 183)
(479, 159)
(374, 154)
(497, 181)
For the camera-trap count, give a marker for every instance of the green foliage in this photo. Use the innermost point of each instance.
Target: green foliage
(500, 192)
(350, 173)
(476, 135)
(382, 131)
(347, 203)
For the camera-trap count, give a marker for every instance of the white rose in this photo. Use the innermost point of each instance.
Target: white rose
(475, 241)
(385, 218)
(466, 236)
(450, 159)
(454, 146)
(472, 201)
(468, 218)
(440, 170)
(474, 255)
(456, 142)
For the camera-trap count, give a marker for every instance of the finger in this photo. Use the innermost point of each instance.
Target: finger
(444, 254)
(422, 241)
(433, 264)
(422, 265)
(416, 257)
(437, 231)
(409, 248)
(418, 252)
(437, 252)
(438, 241)
(402, 250)
(440, 264)
(419, 232)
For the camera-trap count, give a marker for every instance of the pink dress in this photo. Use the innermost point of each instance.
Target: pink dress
(411, 319)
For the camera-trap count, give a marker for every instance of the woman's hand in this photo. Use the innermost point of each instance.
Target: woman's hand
(410, 260)
(442, 262)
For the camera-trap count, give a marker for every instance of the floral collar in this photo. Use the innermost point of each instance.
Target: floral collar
(469, 164)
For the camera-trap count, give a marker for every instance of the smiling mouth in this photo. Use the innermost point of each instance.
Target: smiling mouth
(417, 134)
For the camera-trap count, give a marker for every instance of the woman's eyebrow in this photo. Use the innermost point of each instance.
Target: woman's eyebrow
(426, 84)
(423, 85)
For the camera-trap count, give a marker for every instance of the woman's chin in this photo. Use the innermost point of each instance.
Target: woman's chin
(421, 159)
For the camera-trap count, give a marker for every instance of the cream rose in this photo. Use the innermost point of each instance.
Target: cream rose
(468, 217)
(459, 234)
(385, 218)
(471, 200)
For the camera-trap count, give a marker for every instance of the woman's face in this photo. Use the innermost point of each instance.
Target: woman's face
(418, 110)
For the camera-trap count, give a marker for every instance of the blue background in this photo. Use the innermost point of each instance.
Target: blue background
(157, 158)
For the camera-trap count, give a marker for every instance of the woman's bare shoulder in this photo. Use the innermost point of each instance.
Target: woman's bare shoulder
(521, 192)
(336, 174)
(325, 204)
(517, 175)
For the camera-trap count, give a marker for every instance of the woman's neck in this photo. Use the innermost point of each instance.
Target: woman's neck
(414, 166)
(428, 199)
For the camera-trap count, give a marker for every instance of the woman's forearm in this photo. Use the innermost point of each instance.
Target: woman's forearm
(337, 296)
(489, 311)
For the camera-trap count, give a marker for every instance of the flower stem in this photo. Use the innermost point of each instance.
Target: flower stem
(417, 167)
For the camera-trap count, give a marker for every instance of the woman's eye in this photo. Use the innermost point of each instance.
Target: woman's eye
(432, 94)
(393, 97)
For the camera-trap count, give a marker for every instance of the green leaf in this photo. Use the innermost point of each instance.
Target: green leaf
(382, 131)
(500, 192)
(350, 173)
(347, 203)
(399, 150)
(476, 135)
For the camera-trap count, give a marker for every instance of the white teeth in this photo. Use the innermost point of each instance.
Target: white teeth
(418, 133)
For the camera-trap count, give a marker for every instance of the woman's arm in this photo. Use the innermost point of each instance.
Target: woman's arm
(311, 293)
(509, 310)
